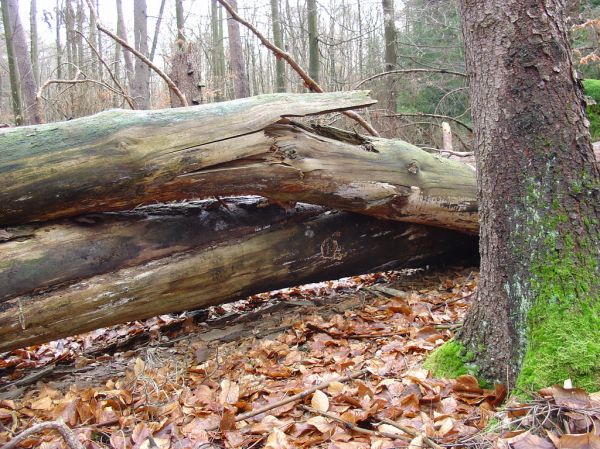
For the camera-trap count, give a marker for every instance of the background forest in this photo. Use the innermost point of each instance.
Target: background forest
(345, 44)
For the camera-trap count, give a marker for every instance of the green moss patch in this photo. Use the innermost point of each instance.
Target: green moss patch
(450, 361)
(563, 316)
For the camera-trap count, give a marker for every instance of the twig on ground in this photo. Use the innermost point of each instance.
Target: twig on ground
(413, 433)
(61, 428)
(295, 397)
(352, 426)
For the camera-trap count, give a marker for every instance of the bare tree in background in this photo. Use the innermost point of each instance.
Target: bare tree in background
(34, 41)
(390, 59)
(122, 33)
(313, 39)
(183, 72)
(21, 52)
(13, 67)
(241, 88)
(278, 41)
(141, 83)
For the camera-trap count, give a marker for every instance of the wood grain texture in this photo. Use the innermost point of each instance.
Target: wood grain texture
(300, 248)
(118, 159)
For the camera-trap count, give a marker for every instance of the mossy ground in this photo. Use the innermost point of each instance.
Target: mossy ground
(450, 361)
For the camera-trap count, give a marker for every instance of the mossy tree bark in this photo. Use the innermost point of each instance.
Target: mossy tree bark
(158, 261)
(537, 318)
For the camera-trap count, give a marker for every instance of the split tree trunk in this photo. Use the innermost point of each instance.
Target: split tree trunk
(126, 158)
(258, 249)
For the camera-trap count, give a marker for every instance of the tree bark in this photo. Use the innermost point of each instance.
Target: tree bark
(183, 73)
(122, 33)
(19, 41)
(241, 86)
(278, 41)
(222, 256)
(231, 149)
(34, 41)
(218, 53)
(141, 81)
(537, 318)
(390, 58)
(13, 67)
(312, 19)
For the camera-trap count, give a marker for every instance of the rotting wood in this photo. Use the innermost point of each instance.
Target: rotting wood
(118, 159)
(295, 251)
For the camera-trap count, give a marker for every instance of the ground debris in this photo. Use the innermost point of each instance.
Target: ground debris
(351, 350)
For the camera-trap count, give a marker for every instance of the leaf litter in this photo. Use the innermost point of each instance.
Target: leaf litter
(335, 365)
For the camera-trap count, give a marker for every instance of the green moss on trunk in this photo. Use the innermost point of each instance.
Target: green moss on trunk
(561, 306)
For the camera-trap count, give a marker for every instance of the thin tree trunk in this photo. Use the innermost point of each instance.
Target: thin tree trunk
(278, 41)
(538, 311)
(13, 67)
(122, 33)
(157, 28)
(58, 44)
(217, 53)
(28, 84)
(241, 88)
(34, 41)
(390, 58)
(313, 39)
(141, 83)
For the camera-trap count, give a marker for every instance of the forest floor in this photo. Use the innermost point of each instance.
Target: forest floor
(351, 350)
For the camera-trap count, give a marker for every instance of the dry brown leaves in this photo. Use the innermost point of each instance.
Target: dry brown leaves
(189, 396)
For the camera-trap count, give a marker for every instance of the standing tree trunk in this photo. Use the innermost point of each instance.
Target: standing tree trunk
(58, 45)
(390, 58)
(122, 33)
(183, 72)
(34, 41)
(218, 56)
(141, 82)
(313, 39)
(278, 41)
(241, 87)
(28, 84)
(13, 68)
(537, 318)
(157, 27)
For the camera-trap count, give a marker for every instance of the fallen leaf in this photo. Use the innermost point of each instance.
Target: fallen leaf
(528, 440)
(278, 440)
(320, 401)
(583, 441)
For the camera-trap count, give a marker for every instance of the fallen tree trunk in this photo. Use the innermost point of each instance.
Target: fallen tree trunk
(232, 148)
(38, 256)
(307, 246)
(118, 159)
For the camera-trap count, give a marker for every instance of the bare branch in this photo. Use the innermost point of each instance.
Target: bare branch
(310, 83)
(422, 114)
(143, 58)
(65, 432)
(76, 80)
(110, 72)
(396, 72)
